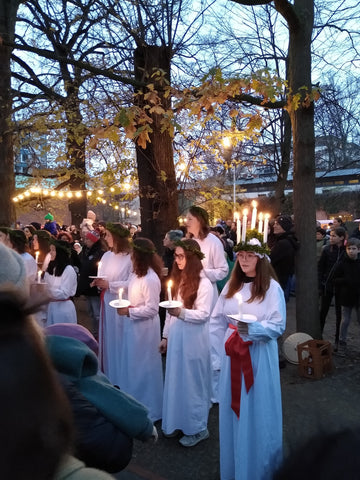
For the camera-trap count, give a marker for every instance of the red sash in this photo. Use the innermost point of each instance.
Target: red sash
(240, 359)
(101, 329)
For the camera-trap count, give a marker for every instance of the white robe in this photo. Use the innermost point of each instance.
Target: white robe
(214, 263)
(60, 289)
(215, 268)
(188, 367)
(138, 361)
(30, 266)
(251, 445)
(116, 268)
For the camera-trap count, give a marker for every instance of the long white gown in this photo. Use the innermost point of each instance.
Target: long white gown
(216, 268)
(139, 366)
(62, 309)
(251, 445)
(116, 268)
(188, 367)
(30, 266)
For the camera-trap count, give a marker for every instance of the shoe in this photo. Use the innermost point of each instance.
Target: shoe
(175, 433)
(192, 440)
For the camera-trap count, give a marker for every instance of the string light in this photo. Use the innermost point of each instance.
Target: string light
(36, 191)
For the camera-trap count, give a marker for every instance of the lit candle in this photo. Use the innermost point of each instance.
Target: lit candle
(239, 299)
(39, 276)
(99, 269)
(260, 227)
(120, 294)
(266, 227)
(253, 216)
(238, 230)
(244, 224)
(169, 290)
(37, 256)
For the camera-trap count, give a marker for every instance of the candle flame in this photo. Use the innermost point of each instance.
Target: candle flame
(170, 283)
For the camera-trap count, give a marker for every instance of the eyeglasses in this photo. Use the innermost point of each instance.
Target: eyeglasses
(179, 256)
(246, 256)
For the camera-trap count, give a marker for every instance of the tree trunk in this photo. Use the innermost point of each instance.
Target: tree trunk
(302, 120)
(285, 162)
(155, 164)
(8, 12)
(76, 148)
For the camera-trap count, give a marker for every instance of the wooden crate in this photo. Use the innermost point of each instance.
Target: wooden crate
(315, 358)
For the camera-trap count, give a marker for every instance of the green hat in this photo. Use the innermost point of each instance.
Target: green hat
(49, 217)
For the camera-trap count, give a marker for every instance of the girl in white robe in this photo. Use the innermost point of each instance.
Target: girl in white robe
(186, 342)
(214, 262)
(250, 411)
(114, 269)
(139, 360)
(61, 280)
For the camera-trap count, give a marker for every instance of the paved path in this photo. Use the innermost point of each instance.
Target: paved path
(309, 406)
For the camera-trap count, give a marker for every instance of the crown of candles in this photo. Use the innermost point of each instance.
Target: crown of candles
(261, 220)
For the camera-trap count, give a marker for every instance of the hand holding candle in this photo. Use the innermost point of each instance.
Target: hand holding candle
(169, 290)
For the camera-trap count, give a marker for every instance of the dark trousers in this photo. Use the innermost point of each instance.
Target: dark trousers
(326, 298)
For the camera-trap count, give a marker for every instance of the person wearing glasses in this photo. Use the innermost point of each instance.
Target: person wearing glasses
(186, 341)
(250, 411)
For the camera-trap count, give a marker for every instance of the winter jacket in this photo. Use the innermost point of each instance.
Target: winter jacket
(347, 281)
(73, 469)
(99, 443)
(331, 255)
(89, 261)
(283, 256)
(79, 364)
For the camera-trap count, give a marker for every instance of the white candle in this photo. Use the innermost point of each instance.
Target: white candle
(260, 226)
(39, 276)
(239, 299)
(120, 294)
(169, 290)
(99, 269)
(266, 227)
(238, 230)
(37, 256)
(244, 224)
(253, 216)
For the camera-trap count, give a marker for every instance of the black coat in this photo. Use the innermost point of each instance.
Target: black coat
(331, 255)
(347, 281)
(283, 256)
(89, 261)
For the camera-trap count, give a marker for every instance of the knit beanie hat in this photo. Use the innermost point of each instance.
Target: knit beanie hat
(76, 331)
(48, 216)
(93, 236)
(12, 268)
(91, 215)
(285, 221)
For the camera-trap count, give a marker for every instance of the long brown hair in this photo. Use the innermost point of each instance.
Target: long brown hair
(144, 256)
(186, 281)
(261, 283)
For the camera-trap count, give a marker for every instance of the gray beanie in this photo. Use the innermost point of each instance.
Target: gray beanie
(12, 269)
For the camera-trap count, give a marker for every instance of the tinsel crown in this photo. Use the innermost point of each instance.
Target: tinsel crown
(190, 248)
(118, 229)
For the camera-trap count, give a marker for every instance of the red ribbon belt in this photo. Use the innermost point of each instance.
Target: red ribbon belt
(239, 354)
(101, 328)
